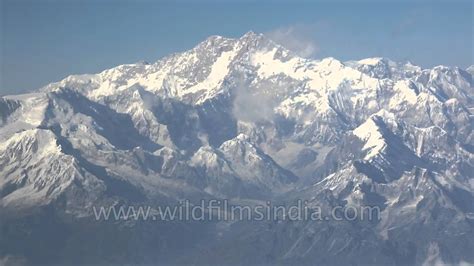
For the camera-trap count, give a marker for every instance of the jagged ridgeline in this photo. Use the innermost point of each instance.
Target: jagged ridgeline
(246, 120)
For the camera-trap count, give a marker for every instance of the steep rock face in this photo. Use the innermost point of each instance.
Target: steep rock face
(248, 120)
(36, 172)
(242, 169)
(7, 107)
(254, 166)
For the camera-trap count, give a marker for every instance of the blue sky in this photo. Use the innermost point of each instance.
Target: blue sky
(44, 41)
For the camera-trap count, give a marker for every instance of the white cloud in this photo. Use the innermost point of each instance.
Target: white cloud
(253, 105)
(296, 38)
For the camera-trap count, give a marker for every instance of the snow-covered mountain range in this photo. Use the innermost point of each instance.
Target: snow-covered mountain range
(248, 120)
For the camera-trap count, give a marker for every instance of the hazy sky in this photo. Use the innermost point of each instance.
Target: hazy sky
(44, 41)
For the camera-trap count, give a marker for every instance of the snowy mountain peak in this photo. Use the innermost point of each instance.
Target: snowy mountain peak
(33, 140)
(251, 36)
(371, 133)
(215, 65)
(373, 61)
